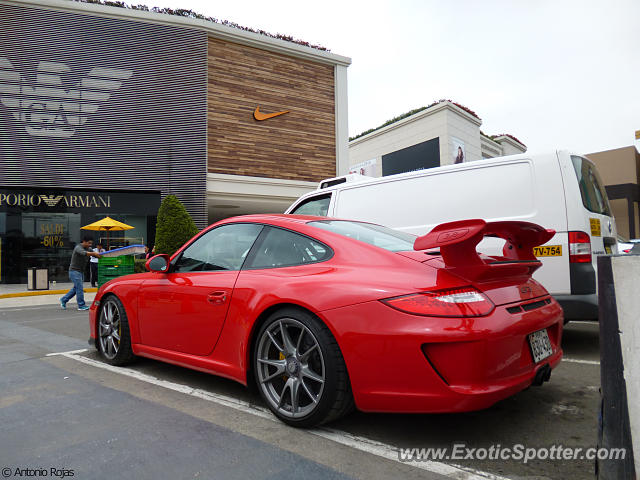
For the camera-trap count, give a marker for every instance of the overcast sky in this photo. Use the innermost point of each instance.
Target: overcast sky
(553, 73)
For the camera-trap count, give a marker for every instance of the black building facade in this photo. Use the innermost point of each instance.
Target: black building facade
(98, 116)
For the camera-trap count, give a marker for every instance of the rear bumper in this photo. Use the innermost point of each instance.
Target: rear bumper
(466, 398)
(579, 307)
(406, 363)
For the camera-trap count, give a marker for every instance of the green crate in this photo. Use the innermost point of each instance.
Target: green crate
(114, 267)
(115, 270)
(121, 260)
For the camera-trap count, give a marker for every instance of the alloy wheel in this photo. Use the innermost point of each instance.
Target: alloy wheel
(290, 368)
(110, 330)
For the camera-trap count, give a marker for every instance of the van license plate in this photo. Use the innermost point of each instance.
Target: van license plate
(548, 251)
(607, 249)
(540, 345)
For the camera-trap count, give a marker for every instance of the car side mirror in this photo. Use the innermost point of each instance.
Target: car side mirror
(158, 264)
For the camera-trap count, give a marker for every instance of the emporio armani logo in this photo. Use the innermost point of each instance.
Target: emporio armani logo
(51, 200)
(48, 109)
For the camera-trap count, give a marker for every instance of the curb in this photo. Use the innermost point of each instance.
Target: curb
(44, 292)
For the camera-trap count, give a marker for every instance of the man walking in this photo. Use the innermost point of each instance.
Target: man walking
(79, 259)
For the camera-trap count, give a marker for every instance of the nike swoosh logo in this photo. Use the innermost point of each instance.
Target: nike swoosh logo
(263, 116)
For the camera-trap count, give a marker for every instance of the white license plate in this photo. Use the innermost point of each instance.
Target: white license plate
(540, 345)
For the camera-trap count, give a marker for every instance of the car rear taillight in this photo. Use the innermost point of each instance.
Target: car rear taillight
(454, 302)
(579, 247)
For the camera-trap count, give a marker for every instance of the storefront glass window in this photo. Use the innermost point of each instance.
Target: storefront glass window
(41, 228)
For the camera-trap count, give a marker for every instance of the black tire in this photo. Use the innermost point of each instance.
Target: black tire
(333, 397)
(109, 327)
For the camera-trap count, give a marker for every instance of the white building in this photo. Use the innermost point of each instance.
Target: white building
(437, 135)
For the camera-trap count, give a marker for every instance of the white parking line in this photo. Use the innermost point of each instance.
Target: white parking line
(66, 353)
(390, 452)
(577, 360)
(373, 447)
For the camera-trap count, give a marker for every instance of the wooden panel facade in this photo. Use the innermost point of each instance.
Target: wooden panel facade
(299, 145)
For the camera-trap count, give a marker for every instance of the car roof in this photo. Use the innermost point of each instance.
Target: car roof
(276, 218)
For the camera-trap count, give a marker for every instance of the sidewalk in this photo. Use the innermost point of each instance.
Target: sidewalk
(12, 290)
(17, 295)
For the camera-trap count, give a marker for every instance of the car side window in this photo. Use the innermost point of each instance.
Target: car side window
(318, 206)
(223, 248)
(283, 248)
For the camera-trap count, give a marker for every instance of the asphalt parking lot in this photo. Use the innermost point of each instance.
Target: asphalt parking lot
(156, 420)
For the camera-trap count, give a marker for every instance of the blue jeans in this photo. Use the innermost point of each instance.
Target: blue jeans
(77, 278)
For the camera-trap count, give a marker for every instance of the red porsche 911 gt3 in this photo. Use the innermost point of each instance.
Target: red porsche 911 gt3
(325, 315)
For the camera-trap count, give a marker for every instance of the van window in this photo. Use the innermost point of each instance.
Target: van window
(375, 235)
(594, 196)
(318, 206)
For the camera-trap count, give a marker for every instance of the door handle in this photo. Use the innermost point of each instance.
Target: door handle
(217, 298)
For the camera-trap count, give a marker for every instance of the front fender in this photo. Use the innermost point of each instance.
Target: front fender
(126, 289)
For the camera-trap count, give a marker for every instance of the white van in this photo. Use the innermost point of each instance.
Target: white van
(560, 191)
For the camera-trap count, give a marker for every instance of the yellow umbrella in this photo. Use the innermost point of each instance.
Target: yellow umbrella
(107, 224)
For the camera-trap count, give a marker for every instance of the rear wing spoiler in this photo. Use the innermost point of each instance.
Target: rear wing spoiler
(457, 242)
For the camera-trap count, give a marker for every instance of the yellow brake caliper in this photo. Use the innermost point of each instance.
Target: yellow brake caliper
(282, 357)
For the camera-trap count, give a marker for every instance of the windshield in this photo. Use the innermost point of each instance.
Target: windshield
(317, 206)
(594, 197)
(375, 235)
